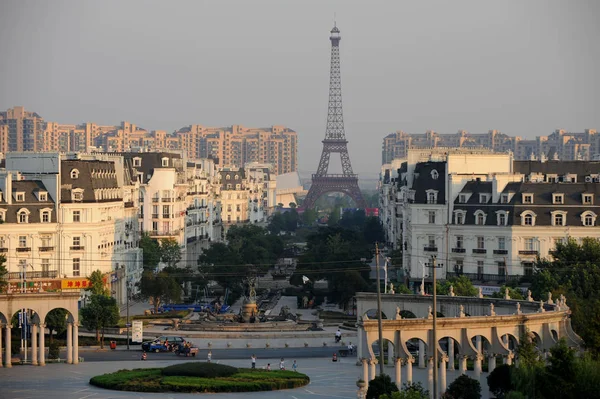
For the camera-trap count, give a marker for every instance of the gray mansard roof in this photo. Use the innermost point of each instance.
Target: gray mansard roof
(424, 181)
(31, 202)
(91, 175)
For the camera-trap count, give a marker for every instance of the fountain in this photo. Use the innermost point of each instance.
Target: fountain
(249, 307)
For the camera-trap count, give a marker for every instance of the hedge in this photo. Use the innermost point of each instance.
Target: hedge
(167, 380)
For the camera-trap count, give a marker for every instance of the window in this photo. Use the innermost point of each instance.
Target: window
(559, 240)
(45, 216)
(462, 198)
(165, 162)
(502, 243)
(479, 270)
(483, 198)
(480, 242)
(530, 244)
(501, 268)
(434, 174)
(588, 219)
(504, 199)
(588, 199)
(22, 241)
(74, 174)
(528, 218)
(528, 198)
(77, 194)
(528, 268)
(431, 216)
(238, 208)
(20, 197)
(228, 177)
(458, 266)
(431, 196)
(76, 241)
(23, 216)
(460, 242)
(76, 216)
(480, 217)
(76, 267)
(46, 241)
(228, 208)
(558, 220)
(45, 267)
(558, 198)
(501, 219)
(166, 211)
(459, 217)
(43, 196)
(431, 241)
(137, 162)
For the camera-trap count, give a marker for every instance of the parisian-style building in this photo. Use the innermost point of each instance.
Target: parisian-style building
(483, 214)
(232, 146)
(560, 145)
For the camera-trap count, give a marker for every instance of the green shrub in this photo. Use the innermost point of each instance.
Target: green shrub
(380, 385)
(53, 350)
(464, 387)
(199, 369)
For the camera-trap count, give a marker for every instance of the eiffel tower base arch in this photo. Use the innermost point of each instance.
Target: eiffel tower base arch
(334, 184)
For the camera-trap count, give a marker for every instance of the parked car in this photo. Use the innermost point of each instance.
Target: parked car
(158, 344)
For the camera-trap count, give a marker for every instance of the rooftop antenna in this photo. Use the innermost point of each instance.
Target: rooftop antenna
(334, 21)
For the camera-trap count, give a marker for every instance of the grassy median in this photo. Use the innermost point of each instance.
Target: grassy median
(200, 377)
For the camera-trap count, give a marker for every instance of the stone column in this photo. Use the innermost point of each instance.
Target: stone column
(477, 366)
(442, 372)
(450, 354)
(398, 366)
(69, 343)
(34, 354)
(365, 372)
(75, 343)
(7, 344)
(491, 362)
(1, 327)
(508, 358)
(390, 355)
(430, 375)
(421, 354)
(373, 370)
(462, 365)
(409, 362)
(42, 361)
(478, 343)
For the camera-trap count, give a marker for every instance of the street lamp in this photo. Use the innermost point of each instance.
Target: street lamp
(128, 287)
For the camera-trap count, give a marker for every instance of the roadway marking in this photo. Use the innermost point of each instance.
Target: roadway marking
(82, 390)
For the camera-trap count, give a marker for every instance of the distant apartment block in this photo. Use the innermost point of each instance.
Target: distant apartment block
(232, 146)
(560, 145)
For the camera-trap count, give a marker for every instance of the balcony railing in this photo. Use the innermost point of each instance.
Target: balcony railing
(496, 278)
(167, 216)
(458, 250)
(168, 199)
(23, 249)
(77, 247)
(500, 251)
(3, 250)
(46, 249)
(528, 252)
(430, 249)
(34, 274)
(129, 204)
(479, 251)
(155, 199)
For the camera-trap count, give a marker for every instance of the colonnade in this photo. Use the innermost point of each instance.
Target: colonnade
(38, 345)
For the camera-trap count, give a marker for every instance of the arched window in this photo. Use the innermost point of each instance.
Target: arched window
(480, 217)
(228, 177)
(528, 218)
(434, 174)
(502, 218)
(74, 174)
(559, 218)
(588, 218)
(460, 216)
(23, 216)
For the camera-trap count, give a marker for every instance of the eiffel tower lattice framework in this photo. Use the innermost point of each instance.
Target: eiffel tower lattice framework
(335, 141)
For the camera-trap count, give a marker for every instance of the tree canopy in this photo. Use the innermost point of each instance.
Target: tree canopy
(170, 252)
(96, 284)
(3, 274)
(151, 251)
(101, 312)
(461, 285)
(159, 287)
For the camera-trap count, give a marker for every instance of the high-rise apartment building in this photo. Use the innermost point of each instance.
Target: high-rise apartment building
(24, 130)
(560, 144)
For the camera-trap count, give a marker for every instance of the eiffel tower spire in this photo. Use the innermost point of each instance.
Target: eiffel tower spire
(335, 140)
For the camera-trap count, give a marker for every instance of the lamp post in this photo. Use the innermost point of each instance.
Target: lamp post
(379, 310)
(127, 322)
(433, 265)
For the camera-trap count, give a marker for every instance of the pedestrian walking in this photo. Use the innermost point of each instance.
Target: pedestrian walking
(281, 365)
(295, 366)
(253, 361)
(209, 356)
(268, 366)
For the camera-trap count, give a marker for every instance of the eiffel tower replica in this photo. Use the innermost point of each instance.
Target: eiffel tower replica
(335, 141)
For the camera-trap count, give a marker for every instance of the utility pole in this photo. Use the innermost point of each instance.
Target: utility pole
(434, 266)
(127, 323)
(379, 310)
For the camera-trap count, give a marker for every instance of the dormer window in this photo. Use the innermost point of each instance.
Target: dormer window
(483, 198)
(434, 174)
(137, 162)
(504, 198)
(43, 197)
(77, 194)
(588, 218)
(20, 197)
(588, 199)
(502, 218)
(528, 218)
(463, 198)
(431, 196)
(23, 216)
(558, 199)
(165, 162)
(228, 177)
(45, 215)
(528, 198)
(559, 218)
(459, 217)
(74, 174)
(480, 217)
(236, 177)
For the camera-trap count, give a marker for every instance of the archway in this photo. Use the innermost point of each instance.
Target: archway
(407, 314)
(372, 314)
(451, 347)
(389, 350)
(25, 323)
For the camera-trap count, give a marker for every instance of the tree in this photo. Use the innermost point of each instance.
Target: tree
(409, 391)
(56, 321)
(276, 224)
(381, 385)
(101, 312)
(3, 274)
(170, 252)
(512, 292)
(461, 286)
(499, 381)
(309, 217)
(464, 387)
(151, 252)
(373, 231)
(96, 284)
(562, 371)
(160, 288)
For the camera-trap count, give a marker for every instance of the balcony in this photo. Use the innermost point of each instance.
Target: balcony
(155, 216)
(482, 277)
(23, 249)
(46, 249)
(155, 199)
(168, 199)
(500, 251)
(458, 250)
(479, 251)
(3, 250)
(129, 204)
(34, 274)
(167, 216)
(77, 247)
(530, 252)
(430, 249)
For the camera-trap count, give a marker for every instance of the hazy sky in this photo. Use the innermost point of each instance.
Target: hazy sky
(523, 67)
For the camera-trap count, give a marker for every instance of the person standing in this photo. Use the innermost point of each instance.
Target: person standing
(209, 356)
(281, 365)
(268, 366)
(253, 357)
(295, 366)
